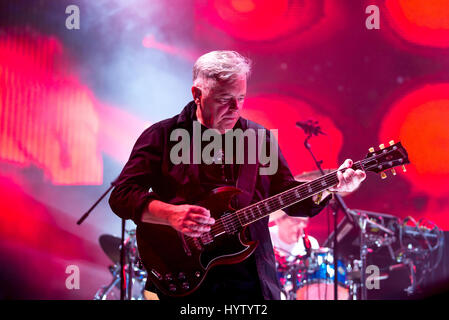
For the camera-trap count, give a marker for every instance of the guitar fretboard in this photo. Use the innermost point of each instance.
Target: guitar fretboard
(289, 197)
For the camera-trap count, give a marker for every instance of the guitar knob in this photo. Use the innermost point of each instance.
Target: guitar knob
(185, 286)
(181, 276)
(197, 274)
(383, 175)
(172, 287)
(168, 277)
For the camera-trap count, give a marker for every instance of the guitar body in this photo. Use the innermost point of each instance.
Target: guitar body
(177, 264)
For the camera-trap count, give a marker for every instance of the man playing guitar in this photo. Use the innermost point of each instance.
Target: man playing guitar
(219, 90)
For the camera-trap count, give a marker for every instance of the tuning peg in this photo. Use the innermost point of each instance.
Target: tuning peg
(391, 142)
(371, 149)
(383, 175)
(381, 146)
(393, 171)
(403, 168)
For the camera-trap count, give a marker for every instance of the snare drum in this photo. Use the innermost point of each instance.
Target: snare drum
(318, 282)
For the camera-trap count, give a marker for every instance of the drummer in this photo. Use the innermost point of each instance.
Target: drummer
(289, 236)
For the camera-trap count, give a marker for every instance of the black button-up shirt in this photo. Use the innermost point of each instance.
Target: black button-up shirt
(149, 167)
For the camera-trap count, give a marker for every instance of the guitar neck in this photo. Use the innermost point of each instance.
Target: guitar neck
(289, 197)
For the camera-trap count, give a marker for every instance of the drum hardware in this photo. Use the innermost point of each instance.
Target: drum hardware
(311, 277)
(123, 287)
(421, 249)
(136, 275)
(378, 235)
(312, 128)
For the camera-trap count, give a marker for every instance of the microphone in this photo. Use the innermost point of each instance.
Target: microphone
(310, 127)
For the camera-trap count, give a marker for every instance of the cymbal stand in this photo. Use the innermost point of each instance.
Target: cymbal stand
(363, 253)
(336, 206)
(122, 253)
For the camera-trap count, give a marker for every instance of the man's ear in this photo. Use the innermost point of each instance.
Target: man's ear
(196, 93)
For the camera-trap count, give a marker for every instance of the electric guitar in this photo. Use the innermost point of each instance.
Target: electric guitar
(177, 264)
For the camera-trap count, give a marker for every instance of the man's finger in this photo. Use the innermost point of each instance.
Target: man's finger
(340, 179)
(346, 164)
(202, 219)
(195, 227)
(361, 174)
(200, 210)
(192, 234)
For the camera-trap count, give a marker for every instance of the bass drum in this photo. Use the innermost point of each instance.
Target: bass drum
(318, 282)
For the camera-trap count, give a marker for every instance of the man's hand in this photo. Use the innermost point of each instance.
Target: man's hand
(188, 219)
(349, 180)
(191, 220)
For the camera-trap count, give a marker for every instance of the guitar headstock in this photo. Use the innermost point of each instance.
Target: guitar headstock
(386, 158)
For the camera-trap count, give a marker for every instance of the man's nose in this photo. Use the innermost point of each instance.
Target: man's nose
(234, 104)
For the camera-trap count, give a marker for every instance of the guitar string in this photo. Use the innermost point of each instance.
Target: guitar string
(233, 222)
(289, 195)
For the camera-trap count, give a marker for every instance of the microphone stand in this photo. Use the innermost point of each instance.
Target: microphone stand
(338, 204)
(122, 249)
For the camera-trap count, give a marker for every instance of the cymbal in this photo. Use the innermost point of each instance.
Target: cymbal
(111, 246)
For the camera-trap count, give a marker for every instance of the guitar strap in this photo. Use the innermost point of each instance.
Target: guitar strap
(247, 177)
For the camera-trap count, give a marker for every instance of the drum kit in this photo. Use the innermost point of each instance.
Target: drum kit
(311, 277)
(136, 275)
(405, 253)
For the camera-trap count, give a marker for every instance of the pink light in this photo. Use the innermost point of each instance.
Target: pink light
(150, 42)
(243, 5)
(420, 120)
(48, 117)
(421, 22)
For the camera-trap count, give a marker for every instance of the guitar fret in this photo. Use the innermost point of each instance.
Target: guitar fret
(260, 212)
(267, 206)
(289, 197)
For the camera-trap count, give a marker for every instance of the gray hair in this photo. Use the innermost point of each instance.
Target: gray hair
(219, 66)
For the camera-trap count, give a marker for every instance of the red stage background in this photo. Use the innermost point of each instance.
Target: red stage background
(72, 103)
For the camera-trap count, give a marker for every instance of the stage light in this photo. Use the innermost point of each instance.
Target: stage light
(420, 121)
(257, 20)
(421, 22)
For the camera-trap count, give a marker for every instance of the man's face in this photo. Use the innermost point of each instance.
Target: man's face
(220, 107)
(293, 227)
